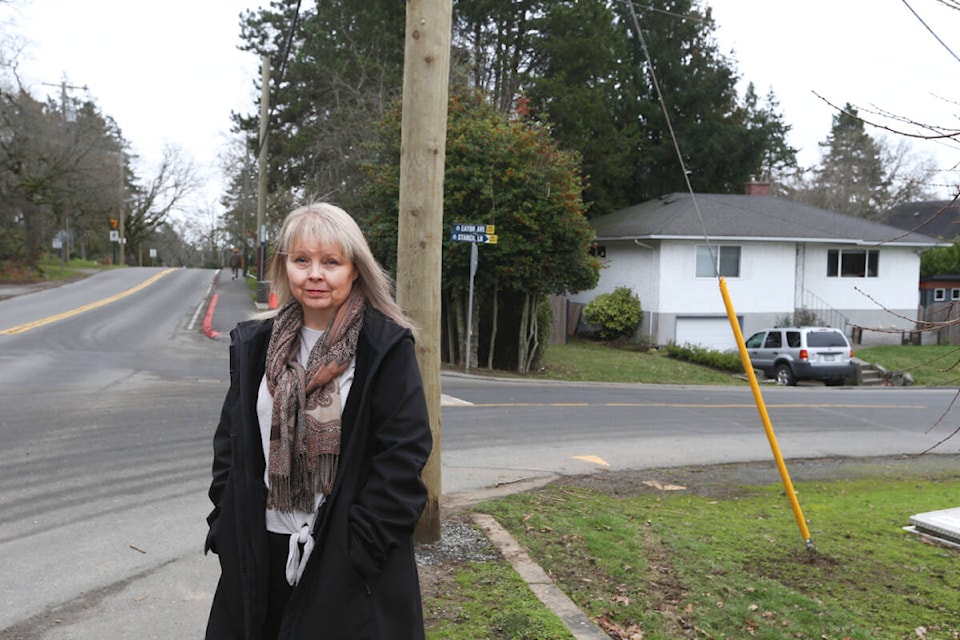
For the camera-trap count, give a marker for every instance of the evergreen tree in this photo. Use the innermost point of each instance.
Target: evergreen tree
(862, 176)
(335, 69)
(768, 132)
(723, 141)
(574, 87)
(850, 178)
(494, 40)
(591, 81)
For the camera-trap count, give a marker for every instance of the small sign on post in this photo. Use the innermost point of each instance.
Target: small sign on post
(472, 233)
(482, 233)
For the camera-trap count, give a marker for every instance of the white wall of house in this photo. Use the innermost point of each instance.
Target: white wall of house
(772, 277)
(628, 264)
(884, 305)
(761, 294)
(895, 287)
(765, 267)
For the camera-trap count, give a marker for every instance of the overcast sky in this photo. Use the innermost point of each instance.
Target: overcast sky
(874, 54)
(170, 72)
(167, 72)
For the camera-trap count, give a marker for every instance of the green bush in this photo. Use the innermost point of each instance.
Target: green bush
(722, 360)
(614, 314)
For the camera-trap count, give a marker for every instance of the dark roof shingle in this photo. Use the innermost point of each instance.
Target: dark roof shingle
(746, 217)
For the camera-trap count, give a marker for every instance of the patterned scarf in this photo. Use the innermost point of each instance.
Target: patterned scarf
(305, 431)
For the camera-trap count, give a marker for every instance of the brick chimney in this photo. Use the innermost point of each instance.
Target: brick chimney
(754, 188)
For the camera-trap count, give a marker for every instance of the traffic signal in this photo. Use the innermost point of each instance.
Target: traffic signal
(114, 223)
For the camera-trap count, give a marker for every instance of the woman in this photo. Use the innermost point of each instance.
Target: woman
(318, 453)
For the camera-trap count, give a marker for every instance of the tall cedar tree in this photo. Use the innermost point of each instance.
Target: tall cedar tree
(850, 178)
(343, 68)
(590, 80)
(499, 171)
(494, 40)
(578, 51)
(719, 149)
(580, 62)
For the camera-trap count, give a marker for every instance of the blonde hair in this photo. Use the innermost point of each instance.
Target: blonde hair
(324, 223)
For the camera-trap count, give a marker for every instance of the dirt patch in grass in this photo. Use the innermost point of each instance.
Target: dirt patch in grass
(729, 480)
(662, 588)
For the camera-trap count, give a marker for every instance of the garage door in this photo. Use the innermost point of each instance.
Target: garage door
(713, 333)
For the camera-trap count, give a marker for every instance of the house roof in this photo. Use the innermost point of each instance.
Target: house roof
(746, 217)
(937, 218)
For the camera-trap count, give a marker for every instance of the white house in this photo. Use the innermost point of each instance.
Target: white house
(778, 258)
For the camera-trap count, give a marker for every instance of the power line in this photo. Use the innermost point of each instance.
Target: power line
(284, 59)
(932, 32)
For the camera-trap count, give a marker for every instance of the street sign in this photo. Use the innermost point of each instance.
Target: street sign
(474, 228)
(483, 238)
(472, 233)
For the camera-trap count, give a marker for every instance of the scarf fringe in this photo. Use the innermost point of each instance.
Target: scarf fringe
(310, 482)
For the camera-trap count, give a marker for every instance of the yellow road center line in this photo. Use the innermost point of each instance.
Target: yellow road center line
(87, 307)
(690, 405)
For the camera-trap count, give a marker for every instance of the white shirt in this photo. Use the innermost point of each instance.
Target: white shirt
(297, 524)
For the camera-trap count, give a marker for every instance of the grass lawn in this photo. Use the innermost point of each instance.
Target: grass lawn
(650, 564)
(49, 269)
(699, 563)
(930, 365)
(708, 553)
(582, 360)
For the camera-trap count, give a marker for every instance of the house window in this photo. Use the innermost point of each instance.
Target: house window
(718, 260)
(853, 263)
(939, 295)
(955, 294)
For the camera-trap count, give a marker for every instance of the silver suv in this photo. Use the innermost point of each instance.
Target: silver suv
(789, 354)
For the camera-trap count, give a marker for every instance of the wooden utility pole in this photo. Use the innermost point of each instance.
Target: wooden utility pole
(262, 286)
(426, 66)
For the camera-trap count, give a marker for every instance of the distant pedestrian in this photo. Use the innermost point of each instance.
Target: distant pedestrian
(318, 452)
(235, 263)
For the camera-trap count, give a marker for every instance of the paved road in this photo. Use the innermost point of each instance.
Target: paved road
(105, 465)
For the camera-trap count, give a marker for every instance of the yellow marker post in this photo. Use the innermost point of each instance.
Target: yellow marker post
(764, 417)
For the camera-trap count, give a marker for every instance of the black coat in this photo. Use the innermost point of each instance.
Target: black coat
(361, 579)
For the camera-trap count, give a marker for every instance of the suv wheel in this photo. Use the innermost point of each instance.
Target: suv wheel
(785, 375)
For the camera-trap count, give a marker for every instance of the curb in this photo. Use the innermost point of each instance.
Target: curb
(580, 626)
(208, 329)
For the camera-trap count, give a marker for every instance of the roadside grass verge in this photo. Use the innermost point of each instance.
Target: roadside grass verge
(657, 564)
(584, 360)
(50, 268)
(489, 600)
(930, 365)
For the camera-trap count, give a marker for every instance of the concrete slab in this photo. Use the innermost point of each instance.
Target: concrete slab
(944, 523)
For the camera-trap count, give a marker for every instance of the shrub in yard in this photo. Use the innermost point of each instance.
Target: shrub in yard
(722, 360)
(616, 314)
